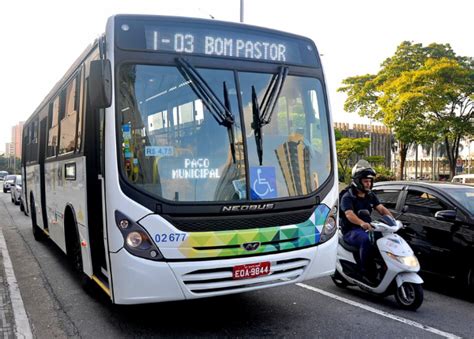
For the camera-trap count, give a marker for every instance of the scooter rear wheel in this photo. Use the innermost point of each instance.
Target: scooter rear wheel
(409, 296)
(339, 280)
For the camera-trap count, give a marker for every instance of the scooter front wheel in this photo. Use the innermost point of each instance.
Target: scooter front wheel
(339, 280)
(409, 296)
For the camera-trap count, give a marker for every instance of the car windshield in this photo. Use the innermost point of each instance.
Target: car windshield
(464, 195)
(184, 141)
(10, 178)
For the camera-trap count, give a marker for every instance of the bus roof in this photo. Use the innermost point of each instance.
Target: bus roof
(63, 79)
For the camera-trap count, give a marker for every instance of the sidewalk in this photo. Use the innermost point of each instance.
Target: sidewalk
(14, 321)
(7, 320)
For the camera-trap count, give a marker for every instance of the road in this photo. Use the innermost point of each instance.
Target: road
(57, 306)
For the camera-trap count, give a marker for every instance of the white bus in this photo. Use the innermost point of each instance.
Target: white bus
(183, 158)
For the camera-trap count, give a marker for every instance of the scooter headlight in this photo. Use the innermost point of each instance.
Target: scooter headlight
(409, 260)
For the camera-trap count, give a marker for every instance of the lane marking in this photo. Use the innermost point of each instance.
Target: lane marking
(22, 324)
(380, 312)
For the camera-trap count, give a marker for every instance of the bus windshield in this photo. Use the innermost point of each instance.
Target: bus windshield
(175, 144)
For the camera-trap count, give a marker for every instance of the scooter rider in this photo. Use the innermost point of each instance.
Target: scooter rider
(358, 197)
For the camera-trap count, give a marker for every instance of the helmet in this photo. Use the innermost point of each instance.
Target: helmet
(362, 170)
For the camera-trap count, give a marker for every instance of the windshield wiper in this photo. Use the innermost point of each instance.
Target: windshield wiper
(220, 111)
(262, 113)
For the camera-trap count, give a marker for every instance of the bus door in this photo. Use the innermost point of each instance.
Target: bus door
(94, 151)
(42, 155)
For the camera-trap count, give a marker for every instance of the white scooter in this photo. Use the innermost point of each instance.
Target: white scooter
(396, 266)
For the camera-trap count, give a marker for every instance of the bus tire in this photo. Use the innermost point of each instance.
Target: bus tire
(38, 234)
(74, 251)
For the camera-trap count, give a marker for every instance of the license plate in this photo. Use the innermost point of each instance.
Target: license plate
(251, 270)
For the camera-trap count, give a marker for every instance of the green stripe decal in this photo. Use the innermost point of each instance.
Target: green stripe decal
(271, 239)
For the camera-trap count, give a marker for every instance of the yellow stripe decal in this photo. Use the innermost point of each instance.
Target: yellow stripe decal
(101, 285)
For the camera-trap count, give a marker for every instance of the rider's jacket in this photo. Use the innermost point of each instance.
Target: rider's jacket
(350, 201)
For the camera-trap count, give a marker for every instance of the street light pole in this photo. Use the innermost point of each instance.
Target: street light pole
(469, 159)
(241, 10)
(370, 136)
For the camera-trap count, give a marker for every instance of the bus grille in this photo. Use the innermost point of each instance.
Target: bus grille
(239, 222)
(220, 279)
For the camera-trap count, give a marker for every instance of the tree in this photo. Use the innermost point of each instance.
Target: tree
(346, 149)
(10, 165)
(3, 163)
(422, 93)
(443, 89)
(376, 160)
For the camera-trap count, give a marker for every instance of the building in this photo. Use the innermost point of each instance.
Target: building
(423, 163)
(16, 139)
(293, 158)
(8, 149)
(380, 139)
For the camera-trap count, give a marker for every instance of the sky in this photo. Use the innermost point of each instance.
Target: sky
(40, 39)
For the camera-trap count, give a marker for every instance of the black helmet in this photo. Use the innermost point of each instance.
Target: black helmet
(362, 170)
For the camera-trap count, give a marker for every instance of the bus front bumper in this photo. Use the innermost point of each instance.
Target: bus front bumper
(137, 280)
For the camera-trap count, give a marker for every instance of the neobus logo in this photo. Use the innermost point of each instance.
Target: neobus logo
(239, 208)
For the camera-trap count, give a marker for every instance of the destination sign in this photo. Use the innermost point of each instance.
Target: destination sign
(216, 40)
(226, 45)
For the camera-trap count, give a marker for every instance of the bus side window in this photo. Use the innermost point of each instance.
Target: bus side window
(68, 122)
(80, 108)
(53, 128)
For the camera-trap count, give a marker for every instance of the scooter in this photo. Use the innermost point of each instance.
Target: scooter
(395, 265)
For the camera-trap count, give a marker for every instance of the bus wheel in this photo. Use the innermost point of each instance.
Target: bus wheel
(38, 234)
(74, 254)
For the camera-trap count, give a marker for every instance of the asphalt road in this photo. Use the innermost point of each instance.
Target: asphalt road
(58, 307)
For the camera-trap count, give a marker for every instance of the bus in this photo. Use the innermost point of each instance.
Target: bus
(183, 158)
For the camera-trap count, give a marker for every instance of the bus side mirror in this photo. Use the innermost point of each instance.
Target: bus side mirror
(100, 84)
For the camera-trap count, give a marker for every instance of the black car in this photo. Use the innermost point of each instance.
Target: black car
(439, 225)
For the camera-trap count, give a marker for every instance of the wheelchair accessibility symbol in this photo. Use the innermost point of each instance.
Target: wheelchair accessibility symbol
(263, 183)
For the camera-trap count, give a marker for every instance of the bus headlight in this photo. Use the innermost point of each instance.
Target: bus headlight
(136, 239)
(330, 226)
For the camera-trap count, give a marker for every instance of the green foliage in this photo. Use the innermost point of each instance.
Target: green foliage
(346, 149)
(6, 165)
(375, 159)
(344, 174)
(338, 134)
(424, 93)
(383, 174)
(3, 163)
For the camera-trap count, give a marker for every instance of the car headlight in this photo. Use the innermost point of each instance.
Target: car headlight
(136, 239)
(409, 260)
(330, 225)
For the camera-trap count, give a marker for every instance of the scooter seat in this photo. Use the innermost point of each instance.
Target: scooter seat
(347, 246)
